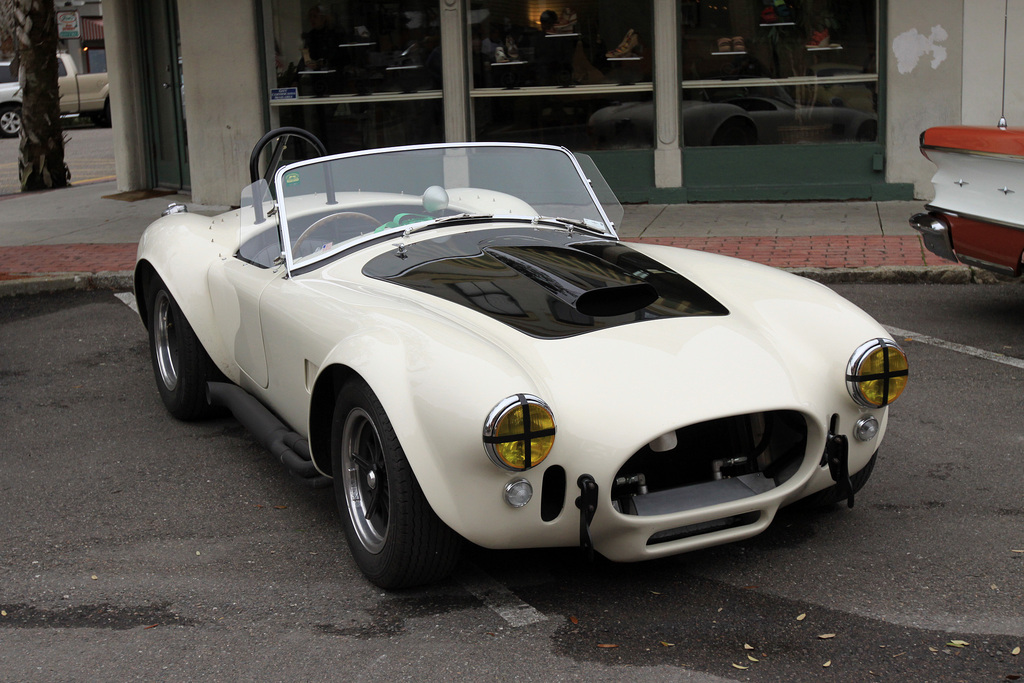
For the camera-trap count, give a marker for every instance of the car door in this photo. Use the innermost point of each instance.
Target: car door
(68, 87)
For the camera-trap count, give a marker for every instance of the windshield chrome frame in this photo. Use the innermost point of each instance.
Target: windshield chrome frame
(399, 230)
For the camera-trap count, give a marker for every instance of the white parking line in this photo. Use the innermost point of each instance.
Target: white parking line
(128, 299)
(959, 348)
(500, 599)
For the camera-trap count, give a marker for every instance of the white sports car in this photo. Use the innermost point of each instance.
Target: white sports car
(455, 337)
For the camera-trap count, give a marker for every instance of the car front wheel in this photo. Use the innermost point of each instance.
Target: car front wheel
(180, 363)
(396, 538)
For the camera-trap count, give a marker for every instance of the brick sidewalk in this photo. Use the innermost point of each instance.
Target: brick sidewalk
(821, 251)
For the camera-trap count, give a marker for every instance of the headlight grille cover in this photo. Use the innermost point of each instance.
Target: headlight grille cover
(877, 373)
(519, 432)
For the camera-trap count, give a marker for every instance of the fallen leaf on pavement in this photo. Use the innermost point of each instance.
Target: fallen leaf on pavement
(753, 659)
(801, 617)
(668, 644)
(827, 664)
(740, 666)
(607, 645)
(958, 643)
(826, 636)
(748, 646)
(1015, 651)
(574, 620)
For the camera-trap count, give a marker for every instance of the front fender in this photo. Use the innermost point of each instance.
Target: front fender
(441, 434)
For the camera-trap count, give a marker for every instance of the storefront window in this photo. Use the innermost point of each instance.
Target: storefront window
(359, 74)
(562, 75)
(778, 71)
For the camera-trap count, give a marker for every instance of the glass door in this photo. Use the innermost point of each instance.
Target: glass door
(165, 101)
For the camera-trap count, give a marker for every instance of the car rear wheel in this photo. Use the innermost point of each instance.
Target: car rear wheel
(396, 539)
(180, 363)
(10, 121)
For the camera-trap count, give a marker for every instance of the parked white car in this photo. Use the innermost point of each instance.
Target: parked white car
(456, 335)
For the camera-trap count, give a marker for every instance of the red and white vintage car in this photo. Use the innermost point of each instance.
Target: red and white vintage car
(977, 216)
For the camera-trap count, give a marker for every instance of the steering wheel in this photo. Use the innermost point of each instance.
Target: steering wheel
(280, 137)
(337, 221)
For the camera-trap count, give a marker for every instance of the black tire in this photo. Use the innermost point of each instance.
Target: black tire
(10, 121)
(830, 496)
(180, 363)
(735, 131)
(102, 118)
(396, 538)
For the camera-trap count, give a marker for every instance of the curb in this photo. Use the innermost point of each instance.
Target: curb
(62, 282)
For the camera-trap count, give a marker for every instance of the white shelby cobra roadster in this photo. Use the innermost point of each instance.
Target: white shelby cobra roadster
(455, 337)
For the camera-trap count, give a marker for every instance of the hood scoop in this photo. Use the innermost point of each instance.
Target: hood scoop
(549, 284)
(599, 290)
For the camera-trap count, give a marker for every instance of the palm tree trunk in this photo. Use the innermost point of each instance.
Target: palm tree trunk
(41, 162)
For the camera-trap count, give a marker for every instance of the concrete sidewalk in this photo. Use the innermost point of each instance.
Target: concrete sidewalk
(87, 235)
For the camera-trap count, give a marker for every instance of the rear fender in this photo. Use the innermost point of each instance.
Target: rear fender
(180, 250)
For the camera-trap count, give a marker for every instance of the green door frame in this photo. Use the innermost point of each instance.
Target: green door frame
(163, 99)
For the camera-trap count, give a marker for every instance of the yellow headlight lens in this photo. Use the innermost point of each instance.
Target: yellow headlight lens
(877, 373)
(519, 432)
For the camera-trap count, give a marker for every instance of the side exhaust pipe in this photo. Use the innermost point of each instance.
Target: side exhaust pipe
(287, 446)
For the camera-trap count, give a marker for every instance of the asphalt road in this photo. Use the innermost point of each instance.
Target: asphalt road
(133, 546)
(88, 152)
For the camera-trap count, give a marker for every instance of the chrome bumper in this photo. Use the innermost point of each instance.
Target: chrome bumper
(935, 232)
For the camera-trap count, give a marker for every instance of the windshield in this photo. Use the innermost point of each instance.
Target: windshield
(332, 203)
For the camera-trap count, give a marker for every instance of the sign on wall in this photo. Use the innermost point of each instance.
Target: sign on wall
(68, 25)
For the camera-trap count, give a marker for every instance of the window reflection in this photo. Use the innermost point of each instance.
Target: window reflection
(779, 72)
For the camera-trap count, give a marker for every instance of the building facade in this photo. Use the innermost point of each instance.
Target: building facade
(675, 100)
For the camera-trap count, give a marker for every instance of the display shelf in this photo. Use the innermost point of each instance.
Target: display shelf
(356, 44)
(824, 48)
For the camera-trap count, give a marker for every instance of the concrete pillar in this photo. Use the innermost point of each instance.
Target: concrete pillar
(126, 107)
(924, 82)
(453, 60)
(221, 54)
(668, 159)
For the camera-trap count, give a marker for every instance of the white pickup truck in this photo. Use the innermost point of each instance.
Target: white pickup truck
(80, 94)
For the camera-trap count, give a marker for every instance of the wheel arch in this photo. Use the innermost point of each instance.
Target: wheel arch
(321, 412)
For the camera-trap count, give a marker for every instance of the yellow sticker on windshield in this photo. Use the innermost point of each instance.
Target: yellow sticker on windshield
(291, 178)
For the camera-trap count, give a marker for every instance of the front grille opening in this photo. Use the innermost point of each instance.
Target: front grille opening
(713, 462)
(730, 522)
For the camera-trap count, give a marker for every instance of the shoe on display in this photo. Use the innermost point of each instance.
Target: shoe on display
(511, 49)
(499, 55)
(724, 45)
(819, 39)
(628, 44)
(566, 22)
(768, 16)
(738, 44)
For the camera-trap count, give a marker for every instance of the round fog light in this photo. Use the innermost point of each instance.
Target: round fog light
(518, 493)
(866, 428)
